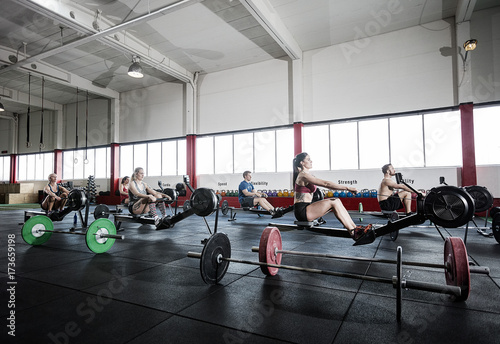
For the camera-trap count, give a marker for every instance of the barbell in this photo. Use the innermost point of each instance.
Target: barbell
(99, 237)
(216, 256)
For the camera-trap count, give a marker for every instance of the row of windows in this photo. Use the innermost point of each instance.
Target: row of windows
(424, 140)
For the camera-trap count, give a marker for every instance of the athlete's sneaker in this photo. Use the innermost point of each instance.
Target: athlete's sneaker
(359, 231)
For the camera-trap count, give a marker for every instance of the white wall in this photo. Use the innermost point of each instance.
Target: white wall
(485, 60)
(98, 123)
(49, 139)
(394, 72)
(254, 96)
(150, 113)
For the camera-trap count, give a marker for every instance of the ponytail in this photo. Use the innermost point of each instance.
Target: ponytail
(296, 165)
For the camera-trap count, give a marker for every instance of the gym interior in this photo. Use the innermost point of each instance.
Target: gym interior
(198, 91)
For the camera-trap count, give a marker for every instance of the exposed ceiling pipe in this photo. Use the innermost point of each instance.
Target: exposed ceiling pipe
(109, 31)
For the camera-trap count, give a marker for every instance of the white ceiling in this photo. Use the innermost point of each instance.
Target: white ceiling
(91, 53)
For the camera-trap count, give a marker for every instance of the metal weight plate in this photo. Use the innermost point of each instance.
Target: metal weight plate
(204, 201)
(31, 230)
(94, 242)
(270, 242)
(76, 199)
(449, 206)
(456, 263)
(212, 267)
(224, 207)
(101, 212)
(495, 227)
(483, 200)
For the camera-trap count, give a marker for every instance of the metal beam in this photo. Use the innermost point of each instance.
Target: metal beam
(264, 13)
(464, 10)
(164, 64)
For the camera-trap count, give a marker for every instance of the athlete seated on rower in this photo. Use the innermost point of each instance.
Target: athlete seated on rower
(248, 197)
(305, 185)
(389, 198)
(142, 198)
(57, 195)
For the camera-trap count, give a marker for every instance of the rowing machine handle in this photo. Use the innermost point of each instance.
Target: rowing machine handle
(186, 181)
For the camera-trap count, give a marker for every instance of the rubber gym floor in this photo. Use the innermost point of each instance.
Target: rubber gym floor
(146, 290)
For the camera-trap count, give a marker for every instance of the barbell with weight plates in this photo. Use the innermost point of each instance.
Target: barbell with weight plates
(99, 237)
(216, 256)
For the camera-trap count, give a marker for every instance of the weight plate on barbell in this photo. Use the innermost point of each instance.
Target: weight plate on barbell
(224, 207)
(495, 227)
(456, 263)
(33, 230)
(449, 206)
(94, 241)
(270, 242)
(212, 267)
(101, 212)
(204, 201)
(494, 211)
(483, 200)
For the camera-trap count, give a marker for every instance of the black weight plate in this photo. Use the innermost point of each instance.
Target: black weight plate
(76, 199)
(101, 212)
(204, 201)
(224, 207)
(318, 195)
(212, 267)
(449, 206)
(494, 211)
(483, 200)
(496, 227)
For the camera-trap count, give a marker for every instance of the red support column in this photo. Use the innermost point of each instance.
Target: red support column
(297, 137)
(191, 158)
(469, 176)
(114, 180)
(13, 168)
(58, 162)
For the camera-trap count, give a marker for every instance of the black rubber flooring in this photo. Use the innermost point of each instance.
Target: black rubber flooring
(146, 290)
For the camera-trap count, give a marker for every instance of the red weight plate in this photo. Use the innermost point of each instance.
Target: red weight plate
(270, 241)
(457, 270)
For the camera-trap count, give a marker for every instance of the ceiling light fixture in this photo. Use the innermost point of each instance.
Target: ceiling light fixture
(135, 69)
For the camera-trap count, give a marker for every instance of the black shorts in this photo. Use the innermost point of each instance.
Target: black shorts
(391, 203)
(300, 211)
(247, 202)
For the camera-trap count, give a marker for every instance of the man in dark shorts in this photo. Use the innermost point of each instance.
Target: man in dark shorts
(249, 198)
(389, 198)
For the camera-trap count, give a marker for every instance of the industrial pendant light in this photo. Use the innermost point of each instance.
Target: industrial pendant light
(135, 69)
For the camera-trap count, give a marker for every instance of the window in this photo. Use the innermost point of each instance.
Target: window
(33, 166)
(486, 144)
(102, 157)
(5, 168)
(154, 159)
(443, 141)
(316, 144)
(344, 146)
(140, 157)
(126, 160)
(373, 143)
(205, 155)
(169, 157)
(243, 152)
(284, 150)
(82, 163)
(407, 141)
(265, 151)
(224, 154)
(181, 157)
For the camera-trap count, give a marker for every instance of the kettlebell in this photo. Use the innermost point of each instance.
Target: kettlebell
(280, 193)
(285, 193)
(329, 193)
